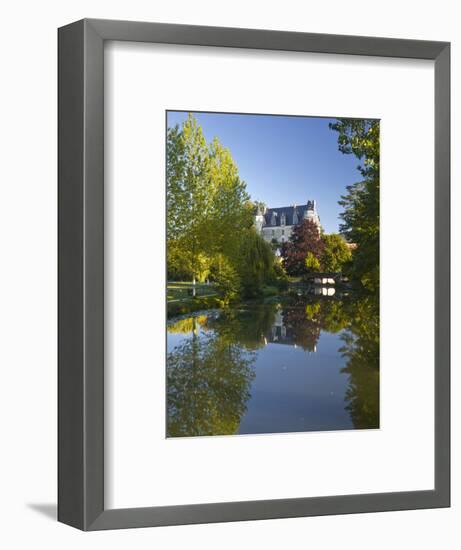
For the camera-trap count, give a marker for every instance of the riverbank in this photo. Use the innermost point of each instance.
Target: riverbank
(199, 303)
(269, 294)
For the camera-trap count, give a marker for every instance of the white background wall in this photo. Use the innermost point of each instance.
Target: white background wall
(28, 273)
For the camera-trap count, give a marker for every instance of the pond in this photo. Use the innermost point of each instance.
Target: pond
(307, 364)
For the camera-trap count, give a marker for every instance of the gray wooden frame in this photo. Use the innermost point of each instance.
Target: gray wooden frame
(81, 274)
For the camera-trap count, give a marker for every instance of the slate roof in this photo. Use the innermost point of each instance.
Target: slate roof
(289, 212)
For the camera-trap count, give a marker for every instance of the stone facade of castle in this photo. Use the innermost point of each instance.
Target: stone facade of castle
(277, 224)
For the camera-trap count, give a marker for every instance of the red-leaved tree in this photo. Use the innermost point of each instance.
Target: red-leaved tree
(304, 238)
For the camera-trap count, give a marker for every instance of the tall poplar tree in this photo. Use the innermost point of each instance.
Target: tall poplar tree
(188, 195)
(209, 212)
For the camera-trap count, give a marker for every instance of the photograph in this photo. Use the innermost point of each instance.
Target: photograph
(214, 333)
(272, 266)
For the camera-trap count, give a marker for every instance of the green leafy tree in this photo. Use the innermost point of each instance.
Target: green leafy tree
(312, 263)
(256, 260)
(230, 208)
(208, 208)
(226, 278)
(279, 276)
(361, 203)
(188, 196)
(336, 253)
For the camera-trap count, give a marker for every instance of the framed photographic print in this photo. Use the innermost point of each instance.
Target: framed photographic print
(253, 274)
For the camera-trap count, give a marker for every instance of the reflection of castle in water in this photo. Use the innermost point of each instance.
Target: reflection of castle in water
(280, 333)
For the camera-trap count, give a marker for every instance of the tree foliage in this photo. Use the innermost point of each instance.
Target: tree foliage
(361, 203)
(256, 262)
(209, 214)
(312, 263)
(335, 253)
(188, 197)
(226, 278)
(304, 239)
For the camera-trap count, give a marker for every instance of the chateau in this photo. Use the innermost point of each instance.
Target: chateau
(277, 224)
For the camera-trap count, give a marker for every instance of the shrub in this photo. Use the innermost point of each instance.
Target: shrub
(280, 277)
(311, 262)
(227, 281)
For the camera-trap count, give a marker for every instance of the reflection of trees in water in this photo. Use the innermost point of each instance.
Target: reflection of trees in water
(208, 386)
(188, 324)
(361, 347)
(209, 374)
(247, 327)
(302, 326)
(305, 320)
(358, 318)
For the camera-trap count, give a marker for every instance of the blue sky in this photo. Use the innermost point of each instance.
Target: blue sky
(284, 160)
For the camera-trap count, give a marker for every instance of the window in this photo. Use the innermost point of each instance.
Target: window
(283, 231)
(273, 232)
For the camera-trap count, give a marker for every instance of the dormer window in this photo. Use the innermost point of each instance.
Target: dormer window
(282, 219)
(274, 218)
(295, 217)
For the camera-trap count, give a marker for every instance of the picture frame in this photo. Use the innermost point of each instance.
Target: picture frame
(81, 472)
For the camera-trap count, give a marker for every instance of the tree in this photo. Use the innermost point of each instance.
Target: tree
(335, 254)
(226, 278)
(208, 207)
(304, 238)
(274, 244)
(230, 207)
(361, 203)
(311, 263)
(188, 195)
(256, 262)
(259, 205)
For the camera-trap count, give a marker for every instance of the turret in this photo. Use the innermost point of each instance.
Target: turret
(311, 212)
(259, 220)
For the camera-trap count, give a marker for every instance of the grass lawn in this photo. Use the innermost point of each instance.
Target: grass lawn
(178, 290)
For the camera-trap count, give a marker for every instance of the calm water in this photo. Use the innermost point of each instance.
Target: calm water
(309, 365)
